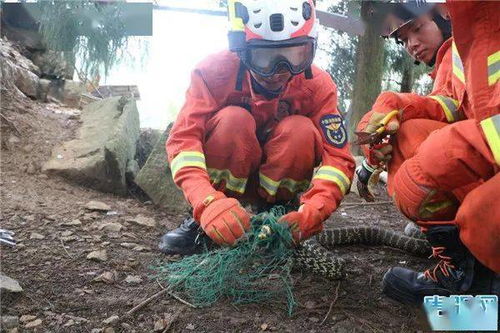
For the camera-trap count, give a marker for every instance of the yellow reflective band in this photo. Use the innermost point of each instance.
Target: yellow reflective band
(271, 186)
(491, 129)
(187, 159)
(494, 68)
(334, 175)
(449, 105)
(232, 183)
(458, 67)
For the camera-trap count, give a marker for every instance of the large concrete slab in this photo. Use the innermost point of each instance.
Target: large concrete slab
(106, 143)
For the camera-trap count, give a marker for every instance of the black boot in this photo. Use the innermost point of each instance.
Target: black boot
(187, 239)
(453, 274)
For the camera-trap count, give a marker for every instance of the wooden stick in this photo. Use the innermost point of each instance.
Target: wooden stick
(350, 205)
(64, 248)
(331, 304)
(161, 292)
(176, 297)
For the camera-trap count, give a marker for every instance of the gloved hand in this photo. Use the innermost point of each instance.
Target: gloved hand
(367, 178)
(307, 221)
(223, 219)
(388, 121)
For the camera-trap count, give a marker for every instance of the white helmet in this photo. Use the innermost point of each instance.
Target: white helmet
(270, 34)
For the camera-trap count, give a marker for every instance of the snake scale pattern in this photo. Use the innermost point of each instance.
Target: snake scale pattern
(314, 254)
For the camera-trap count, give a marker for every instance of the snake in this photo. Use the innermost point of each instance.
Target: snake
(315, 254)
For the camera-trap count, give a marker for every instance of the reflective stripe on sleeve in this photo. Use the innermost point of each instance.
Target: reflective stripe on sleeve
(334, 175)
(187, 159)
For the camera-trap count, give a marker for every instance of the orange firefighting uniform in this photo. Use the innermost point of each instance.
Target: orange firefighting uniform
(466, 154)
(236, 141)
(421, 114)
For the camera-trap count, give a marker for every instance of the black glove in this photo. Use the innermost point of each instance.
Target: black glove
(365, 172)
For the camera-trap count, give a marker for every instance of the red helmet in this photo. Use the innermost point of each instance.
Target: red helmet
(269, 34)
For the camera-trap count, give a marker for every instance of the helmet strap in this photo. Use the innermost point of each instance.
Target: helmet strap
(239, 78)
(308, 73)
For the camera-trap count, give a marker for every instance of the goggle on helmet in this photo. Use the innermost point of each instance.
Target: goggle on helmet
(271, 35)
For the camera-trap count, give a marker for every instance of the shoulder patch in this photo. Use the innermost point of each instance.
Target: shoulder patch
(333, 129)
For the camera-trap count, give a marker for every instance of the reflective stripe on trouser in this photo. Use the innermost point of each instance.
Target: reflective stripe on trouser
(231, 182)
(494, 68)
(187, 159)
(334, 175)
(491, 129)
(272, 186)
(452, 158)
(449, 105)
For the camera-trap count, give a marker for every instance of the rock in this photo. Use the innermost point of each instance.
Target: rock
(69, 323)
(155, 179)
(66, 92)
(129, 245)
(72, 223)
(160, 325)
(140, 248)
(132, 170)
(97, 205)
(100, 255)
(147, 141)
(9, 285)
(33, 324)
(133, 279)
(111, 227)
(26, 318)
(13, 330)
(105, 144)
(190, 327)
(35, 235)
(109, 330)
(106, 277)
(310, 305)
(66, 233)
(143, 220)
(264, 326)
(111, 320)
(9, 322)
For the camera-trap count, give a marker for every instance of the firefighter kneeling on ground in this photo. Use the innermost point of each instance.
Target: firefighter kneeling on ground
(443, 176)
(255, 124)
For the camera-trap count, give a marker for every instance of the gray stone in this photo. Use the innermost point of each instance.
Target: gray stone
(100, 255)
(155, 179)
(9, 285)
(133, 279)
(97, 205)
(147, 141)
(9, 322)
(33, 324)
(111, 320)
(106, 142)
(132, 170)
(143, 221)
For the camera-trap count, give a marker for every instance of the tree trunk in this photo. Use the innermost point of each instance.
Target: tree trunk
(369, 68)
(408, 77)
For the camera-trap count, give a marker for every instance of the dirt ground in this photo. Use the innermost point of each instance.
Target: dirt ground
(62, 288)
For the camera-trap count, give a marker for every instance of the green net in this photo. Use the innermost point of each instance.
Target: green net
(258, 269)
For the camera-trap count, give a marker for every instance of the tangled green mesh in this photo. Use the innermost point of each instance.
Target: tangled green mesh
(256, 270)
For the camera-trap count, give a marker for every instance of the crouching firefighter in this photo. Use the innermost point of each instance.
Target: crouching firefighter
(443, 152)
(256, 123)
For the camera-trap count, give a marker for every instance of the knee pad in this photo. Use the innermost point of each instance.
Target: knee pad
(419, 202)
